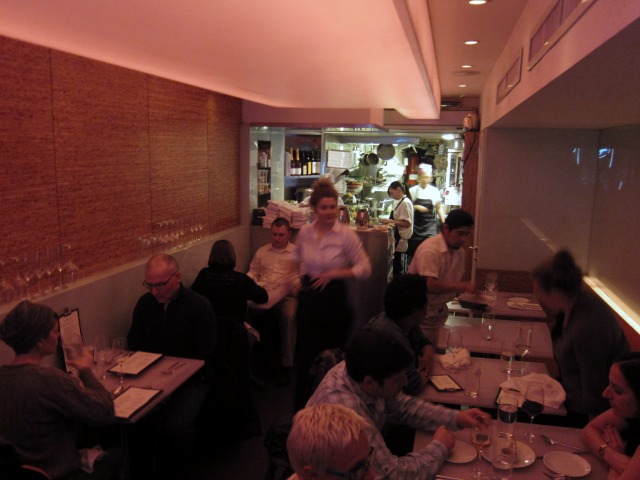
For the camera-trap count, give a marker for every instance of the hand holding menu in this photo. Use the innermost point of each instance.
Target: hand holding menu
(135, 363)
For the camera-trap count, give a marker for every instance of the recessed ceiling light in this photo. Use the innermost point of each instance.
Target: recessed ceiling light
(467, 66)
(471, 42)
(477, 2)
(462, 85)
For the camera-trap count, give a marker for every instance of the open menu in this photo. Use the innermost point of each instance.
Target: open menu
(135, 363)
(133, 399)
(70, 334)
(444, 383)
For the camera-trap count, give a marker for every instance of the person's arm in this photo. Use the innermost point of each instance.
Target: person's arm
(632, 472)
(602, 438)
(255, 292)
(255, 268)
(357, 257)
(425, 362)
(440, 211)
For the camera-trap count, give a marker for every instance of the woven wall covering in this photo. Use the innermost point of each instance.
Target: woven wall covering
(96, 156)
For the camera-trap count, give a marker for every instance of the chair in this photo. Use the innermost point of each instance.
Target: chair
(29, 472)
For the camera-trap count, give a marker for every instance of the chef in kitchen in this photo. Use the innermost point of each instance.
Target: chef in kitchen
(402, 218)
(427, 206)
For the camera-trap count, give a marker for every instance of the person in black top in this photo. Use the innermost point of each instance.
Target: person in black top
(227, 290)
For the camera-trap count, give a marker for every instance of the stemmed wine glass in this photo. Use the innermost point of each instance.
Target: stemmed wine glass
(39, 271)
(481, 439)
(102, 349)
(7, 291)
(533, 405)
(27, 271)
(454, 341)
(523, 343)
(121, 352)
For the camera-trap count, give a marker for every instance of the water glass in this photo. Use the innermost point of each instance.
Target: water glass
(472, 379)
(507, 356)
(488, 324)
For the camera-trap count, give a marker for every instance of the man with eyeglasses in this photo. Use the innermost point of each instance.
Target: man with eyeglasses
(329, 442)
(370, 382)
(176, 321)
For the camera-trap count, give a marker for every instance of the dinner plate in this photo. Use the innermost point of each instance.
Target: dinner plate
(526, 455)
(566, 463)
(462, 452)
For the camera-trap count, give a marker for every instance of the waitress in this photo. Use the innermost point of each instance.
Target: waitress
(427, 205)
(402, 219)
(329, 253)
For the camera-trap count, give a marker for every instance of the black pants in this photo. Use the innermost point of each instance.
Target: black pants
(324, 319)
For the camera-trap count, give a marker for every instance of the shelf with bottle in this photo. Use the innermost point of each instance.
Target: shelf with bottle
(303, 163)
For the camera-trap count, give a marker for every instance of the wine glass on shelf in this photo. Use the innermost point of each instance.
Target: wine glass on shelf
(480, 439)
(121, 353)
(27, 271)
(39, 271)
(102, 350)
(523, 343)
(533, 405)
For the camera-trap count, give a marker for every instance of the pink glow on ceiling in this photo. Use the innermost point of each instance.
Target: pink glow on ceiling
(284, 53)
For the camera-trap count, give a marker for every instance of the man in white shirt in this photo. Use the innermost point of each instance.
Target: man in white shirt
(427, 205)
(442, 260)
(274, 268)
(402, 218)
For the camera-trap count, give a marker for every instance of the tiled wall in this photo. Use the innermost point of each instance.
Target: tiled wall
(93, 155)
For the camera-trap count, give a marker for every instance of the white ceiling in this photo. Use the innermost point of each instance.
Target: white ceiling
(285, 53)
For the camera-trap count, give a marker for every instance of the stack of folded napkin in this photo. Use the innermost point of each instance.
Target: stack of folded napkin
(554, 394)
(460, 359)
(521, 303)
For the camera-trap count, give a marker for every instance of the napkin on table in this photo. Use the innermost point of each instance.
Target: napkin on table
(554, 394)
(456, 360)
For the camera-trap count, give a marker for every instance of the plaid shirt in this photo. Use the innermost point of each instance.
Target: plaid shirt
(338, 388)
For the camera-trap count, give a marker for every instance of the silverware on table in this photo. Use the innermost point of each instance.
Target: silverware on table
(551, 441)
(174, 367)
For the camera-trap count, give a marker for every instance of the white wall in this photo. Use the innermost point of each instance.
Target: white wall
(536, 194)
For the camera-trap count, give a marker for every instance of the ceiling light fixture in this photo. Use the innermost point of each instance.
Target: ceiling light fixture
(471, 42)
(448, 136)
(467, 66)
(477, 2)
(462, 85)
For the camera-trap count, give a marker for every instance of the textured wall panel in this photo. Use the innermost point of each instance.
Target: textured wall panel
(178, 135)
(224, 119)
(28, 212)
(102, 156)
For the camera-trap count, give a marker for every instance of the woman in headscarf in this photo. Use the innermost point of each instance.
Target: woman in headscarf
(43, 407)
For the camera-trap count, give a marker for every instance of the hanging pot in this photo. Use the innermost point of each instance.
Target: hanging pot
(386, 151)
(370, 159)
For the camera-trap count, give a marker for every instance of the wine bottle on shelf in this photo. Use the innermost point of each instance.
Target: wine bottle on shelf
(298, 167)
(305, 163)
(289, 170)
(316, 162)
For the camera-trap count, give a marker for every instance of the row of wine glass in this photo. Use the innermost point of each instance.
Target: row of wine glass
(170, 234)
(36, 273)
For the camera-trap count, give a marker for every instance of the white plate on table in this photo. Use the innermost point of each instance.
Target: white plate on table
(566, 463)
(526, 455)
(462, 452)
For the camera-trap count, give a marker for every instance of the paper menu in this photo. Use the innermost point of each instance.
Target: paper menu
(135, 363)
(445, 383)
(133, 399)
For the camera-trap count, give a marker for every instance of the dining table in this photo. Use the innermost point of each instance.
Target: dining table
(165, 376)
(506, 305)
(473, 338)
(491, 378)
(537, 459)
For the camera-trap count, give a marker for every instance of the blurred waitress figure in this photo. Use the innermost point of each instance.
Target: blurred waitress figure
(329, 253)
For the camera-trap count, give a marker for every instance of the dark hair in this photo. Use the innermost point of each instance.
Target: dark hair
(377, 352)
(322, 188)
(281, 222)
(561, 273)
(458, 218)
(629, 364)
(222, 255)
(394, 186)
(404, 295)
(25, 325)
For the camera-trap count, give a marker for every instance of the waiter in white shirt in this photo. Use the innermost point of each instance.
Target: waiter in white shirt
(402, 218)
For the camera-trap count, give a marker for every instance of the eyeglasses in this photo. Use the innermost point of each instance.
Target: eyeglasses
(356, 473)
(159, 285)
